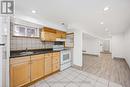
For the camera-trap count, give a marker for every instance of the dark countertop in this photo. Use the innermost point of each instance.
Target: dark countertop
(14, 54)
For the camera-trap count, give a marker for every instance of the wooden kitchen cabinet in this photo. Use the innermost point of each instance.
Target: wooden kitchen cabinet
(48, 63)
(56, 67)
(60, 34)
(56, 61)
(50, 34)
(69, 43)
(63, 35)
(37, 67)
(24, 70)
(19, 71)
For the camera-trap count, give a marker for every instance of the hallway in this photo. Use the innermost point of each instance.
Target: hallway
(113, 70)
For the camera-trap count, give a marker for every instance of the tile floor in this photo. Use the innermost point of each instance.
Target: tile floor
(72, 77)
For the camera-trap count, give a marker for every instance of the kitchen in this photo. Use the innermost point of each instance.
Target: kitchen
(64, 43)
(37, 52)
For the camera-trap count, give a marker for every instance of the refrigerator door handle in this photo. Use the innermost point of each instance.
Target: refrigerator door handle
(2, 44)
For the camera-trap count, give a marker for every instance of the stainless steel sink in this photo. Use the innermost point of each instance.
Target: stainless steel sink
(26, 53)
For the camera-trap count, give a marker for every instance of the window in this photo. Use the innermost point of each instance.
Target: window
(20, 30)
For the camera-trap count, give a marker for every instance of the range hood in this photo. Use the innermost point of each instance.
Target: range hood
(60, 39)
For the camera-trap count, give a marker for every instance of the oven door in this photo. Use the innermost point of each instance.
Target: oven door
(65, 57)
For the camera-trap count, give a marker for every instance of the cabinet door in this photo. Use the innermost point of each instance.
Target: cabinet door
(58, 34)
(69, 40)
(56, 57)
(56, 67)
(56, 61)
(37, 67)
(47, 36)
(20, 74)
(48, 64)
(52, 36)
(63, 35)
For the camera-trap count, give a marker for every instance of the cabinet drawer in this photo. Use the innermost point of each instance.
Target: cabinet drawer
(56, 67)
(48, 55)
(37, 57)
(48, 59)
(19, 60)
(56, 54)
(55, 60)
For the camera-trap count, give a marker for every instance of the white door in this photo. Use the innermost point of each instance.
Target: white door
(106, 46)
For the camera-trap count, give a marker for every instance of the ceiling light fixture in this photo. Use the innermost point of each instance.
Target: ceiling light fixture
(106, 8)
(102, 23)
(33, 11)
(106, 29)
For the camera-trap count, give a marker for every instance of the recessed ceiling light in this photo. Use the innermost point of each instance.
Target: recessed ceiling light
(106, 29)
(106, 8)
(102, 23)
(33, 11)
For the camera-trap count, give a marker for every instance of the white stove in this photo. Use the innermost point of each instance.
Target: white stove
(66, 60)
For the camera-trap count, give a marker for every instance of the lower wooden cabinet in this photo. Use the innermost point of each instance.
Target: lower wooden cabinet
(56, 61)
(48, 64)
(56, 67)
(24, 70)
(37, 67)
(20, 71)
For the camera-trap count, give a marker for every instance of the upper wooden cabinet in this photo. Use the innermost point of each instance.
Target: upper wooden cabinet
(60, 34)
(49, 34)
(69, 40)
(20, 71)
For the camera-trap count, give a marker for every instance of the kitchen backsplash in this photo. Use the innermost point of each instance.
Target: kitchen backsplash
(21, 43)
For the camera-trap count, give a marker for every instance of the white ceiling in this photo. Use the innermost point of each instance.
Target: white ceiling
(85, 13)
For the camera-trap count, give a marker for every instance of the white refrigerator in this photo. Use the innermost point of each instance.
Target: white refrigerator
(4, 50)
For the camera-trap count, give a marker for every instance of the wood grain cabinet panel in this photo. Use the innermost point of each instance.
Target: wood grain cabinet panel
(56, 67)
(50, 34)
(24, 70)
(37, 67)
(56, 54)
(63, 35)
(60, 34)
(56, 61)
(56, 57)
(48, 69)
(48, 63)
(20, 72)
